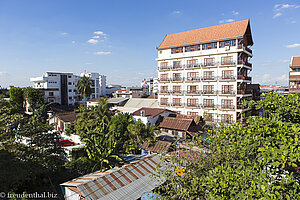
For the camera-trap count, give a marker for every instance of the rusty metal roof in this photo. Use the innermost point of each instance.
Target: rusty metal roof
(157, 147)
(127, 182)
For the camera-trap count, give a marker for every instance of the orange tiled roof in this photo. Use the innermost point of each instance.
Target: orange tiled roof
(223, 31)
(153, 112)
(295, 61)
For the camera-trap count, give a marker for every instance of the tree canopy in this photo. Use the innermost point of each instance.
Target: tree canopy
(84, 87)
(256, 160)
(16, 98)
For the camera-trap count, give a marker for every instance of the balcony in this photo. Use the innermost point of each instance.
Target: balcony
(177, 104)
(163, 68)
(164, 91)
(227, 78)
(242, 77)
(294, 90)
(209, 106)
(210, 64)
(229, 63)
(244, 48)
(192, 79)
(177, 92)
(193, 92)
(227, 107)
(193, 105)
(248, 49)
(174, 67)
(177, 79)
(243, 92)
(163, 79)
(228, 92)
(192, 66)
(209, 78)
(163, 103)
(241, 62)
(209, 92)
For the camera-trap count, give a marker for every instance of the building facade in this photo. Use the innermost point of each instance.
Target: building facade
(205, 71)
(294, 76)
(98, 84)
(58, 87)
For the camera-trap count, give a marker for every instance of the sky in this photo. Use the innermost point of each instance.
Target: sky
(118, 38)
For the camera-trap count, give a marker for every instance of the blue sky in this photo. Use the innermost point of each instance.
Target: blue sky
(118, 38)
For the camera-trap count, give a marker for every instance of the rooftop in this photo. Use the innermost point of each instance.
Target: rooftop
(152, 112)
(224, 31)
(295, 61)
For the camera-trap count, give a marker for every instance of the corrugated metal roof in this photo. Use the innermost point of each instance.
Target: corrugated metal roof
(128, 182)
(158, 147)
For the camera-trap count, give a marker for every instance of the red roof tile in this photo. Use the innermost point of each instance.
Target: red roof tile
(175, 123)
(153, 112)
(213, 33)
(295, 61)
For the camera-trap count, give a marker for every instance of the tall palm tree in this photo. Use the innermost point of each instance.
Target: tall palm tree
(84, 87)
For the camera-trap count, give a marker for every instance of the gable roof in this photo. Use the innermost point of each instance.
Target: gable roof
(175, 123)
(158, 147)
(127, 182)
(67, 116)
(213, 33)
(295, 61)
(152, 112)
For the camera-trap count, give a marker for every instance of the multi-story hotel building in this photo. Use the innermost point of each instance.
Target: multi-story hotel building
(58, 87)
(206, 71)
(294, 76)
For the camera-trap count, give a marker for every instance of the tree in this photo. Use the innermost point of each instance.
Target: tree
(257, 160)
(34, 97)
(84, 87)
(16, 98)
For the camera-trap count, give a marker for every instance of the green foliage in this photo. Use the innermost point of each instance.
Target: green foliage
(109, 137)
(84, 87)
(259, 160)
(16, 98)
(34, 97)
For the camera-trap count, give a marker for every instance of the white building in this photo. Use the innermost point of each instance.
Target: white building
(205, 71)
(150, 86)
(98, 83)
(58, 87)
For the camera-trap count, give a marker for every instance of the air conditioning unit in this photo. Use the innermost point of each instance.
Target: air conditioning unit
(227, 48)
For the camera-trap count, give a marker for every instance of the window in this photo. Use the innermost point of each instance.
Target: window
(164, 89)
(51, 94)
(212, 45)
(208, 75)
(192, 89)
(227, 60)
(226, 118)
(176, 89)
(177, 50)
(176, 102)
(177, 77)
(193, 76)
(209, 61)
(163, 101)
(227, 43)
(70, 90)
(208, 89)
(164, 77)
(192, 63)
(209, 117)
(69, 83)
(192, 102)
(176, 64)
(192, 48)
(227, 103)
(69, 76)
(70, 98)
(192, 113)
(208, 102)
(227, 89)
(227, 74)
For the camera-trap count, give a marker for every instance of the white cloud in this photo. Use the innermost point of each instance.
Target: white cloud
(284, 61)
(73, 42)
(92, 41)
(293, 45)
(226, 20)
(96, 37)
(88, 63)
(2, 73)
(100, 33)
(277, 15)
(235, 13)
(102, 53)
(64, 33)
(278, 7)
(176, 12)
(283, 77)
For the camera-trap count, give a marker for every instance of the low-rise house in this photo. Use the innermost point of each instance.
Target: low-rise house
(179, 127)
(127, 182)
(134, 104)
(62, 120)
(151, 115)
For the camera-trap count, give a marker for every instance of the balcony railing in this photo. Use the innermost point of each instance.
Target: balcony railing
(193, 92)
(177, 92)
(227, 92)
(229, 107)
(209, 78)
(177, 79)
(191, 66)
(163, 79)
(245, 48)
(226, 78)
(163, 67)
(209, 92)
(192, 79)
(241, 62)
(193, 105)
(177, 104)
(242, 77)
(209, 106)
(163, 103)
(243, 92)
(228, 62)
(249, 50)
(164, 91)
(210, 64)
